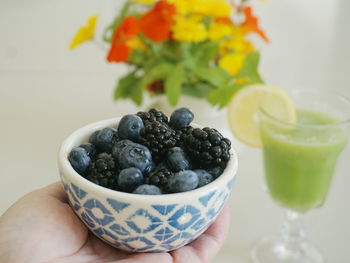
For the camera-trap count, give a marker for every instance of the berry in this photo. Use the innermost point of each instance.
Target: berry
(181, 135)
(204, 177)
(105, 139)
(79, 159)
(93, 137)
(215, 171)
(152, 115)
(159, 177)
(130, 178)
(136, 155)
(129, 127)
(159, 138)
(119, 146)
(182, 181)
(146, 189)
(181, 118)
(103, 171)
(207, 147)
(177, 160)
(89, 148)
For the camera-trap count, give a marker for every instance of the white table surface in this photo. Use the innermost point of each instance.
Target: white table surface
(46, 92)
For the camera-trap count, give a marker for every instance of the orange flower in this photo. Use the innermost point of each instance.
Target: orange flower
(125, 32)
(251, 23)
(156, 23)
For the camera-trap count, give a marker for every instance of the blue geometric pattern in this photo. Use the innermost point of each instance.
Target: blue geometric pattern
(205, 199)
(184, 217)
(142, 221)
(157, 228)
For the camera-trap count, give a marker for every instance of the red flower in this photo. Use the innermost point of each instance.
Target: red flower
(156, 23)
(127, 30)
(156, 86)
(251, 23)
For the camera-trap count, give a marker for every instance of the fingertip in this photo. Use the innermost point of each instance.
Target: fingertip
(211, 241)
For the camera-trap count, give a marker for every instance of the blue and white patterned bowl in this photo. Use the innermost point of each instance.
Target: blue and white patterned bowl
(139, 223)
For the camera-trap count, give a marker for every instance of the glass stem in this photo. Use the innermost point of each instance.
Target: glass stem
(292, 230)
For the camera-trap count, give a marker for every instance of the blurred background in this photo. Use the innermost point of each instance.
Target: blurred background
(47, 91)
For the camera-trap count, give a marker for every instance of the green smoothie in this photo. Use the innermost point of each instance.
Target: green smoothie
(300, 160)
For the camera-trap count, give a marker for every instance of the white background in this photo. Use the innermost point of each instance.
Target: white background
(47, 91)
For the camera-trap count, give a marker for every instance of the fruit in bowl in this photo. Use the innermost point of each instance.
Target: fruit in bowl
(143, 183)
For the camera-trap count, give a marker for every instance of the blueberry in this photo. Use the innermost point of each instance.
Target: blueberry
(183, 181)
(136, 155)
(93, 137)
(89, 148)
(79, 159)
(204, 177)
(215, 171)
(177, 160)
(119, 146)
(130, 178)
(129, 127)
(147, 189)
(105, 139)
(181, 118)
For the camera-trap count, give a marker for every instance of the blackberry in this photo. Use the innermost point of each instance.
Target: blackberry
(103, 171)
(207, 147)
(159, 138)
(152, 115)
(158, 177)
(180, 135)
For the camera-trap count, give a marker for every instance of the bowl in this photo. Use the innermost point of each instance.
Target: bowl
(142, 223)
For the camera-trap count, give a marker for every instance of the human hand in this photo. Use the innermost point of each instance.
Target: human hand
(41, 227)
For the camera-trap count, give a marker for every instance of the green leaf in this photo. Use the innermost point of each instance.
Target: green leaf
(138, 57)
(205, 52)
(136, 93)
(159, 71)
(223, 95)
(129, 87)
(173, 83)
(124, 85)
(214, 75)
(249, 70)
(199, 89)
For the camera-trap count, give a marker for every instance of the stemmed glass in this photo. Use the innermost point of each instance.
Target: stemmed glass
(300, 159)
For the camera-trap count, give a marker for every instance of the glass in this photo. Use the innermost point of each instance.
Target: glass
(299, 160)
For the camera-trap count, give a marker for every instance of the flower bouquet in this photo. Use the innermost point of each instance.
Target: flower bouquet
(196, 47)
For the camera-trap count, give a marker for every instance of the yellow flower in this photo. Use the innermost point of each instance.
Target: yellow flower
(236, 44)
(84, 33)
(144, 2)
(213, 8)
(182, 6)
(218, 31)
(136, 43)
(189, 29)
(232, 62)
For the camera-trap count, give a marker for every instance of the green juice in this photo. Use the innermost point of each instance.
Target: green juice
(299, 161)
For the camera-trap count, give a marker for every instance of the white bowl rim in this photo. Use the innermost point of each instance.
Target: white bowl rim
(71, 141)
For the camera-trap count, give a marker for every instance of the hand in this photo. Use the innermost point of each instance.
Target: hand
(41, 227)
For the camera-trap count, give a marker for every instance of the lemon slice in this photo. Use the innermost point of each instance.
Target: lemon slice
(244, 106)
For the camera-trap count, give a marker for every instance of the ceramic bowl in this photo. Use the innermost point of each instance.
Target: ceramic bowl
(142, 223)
